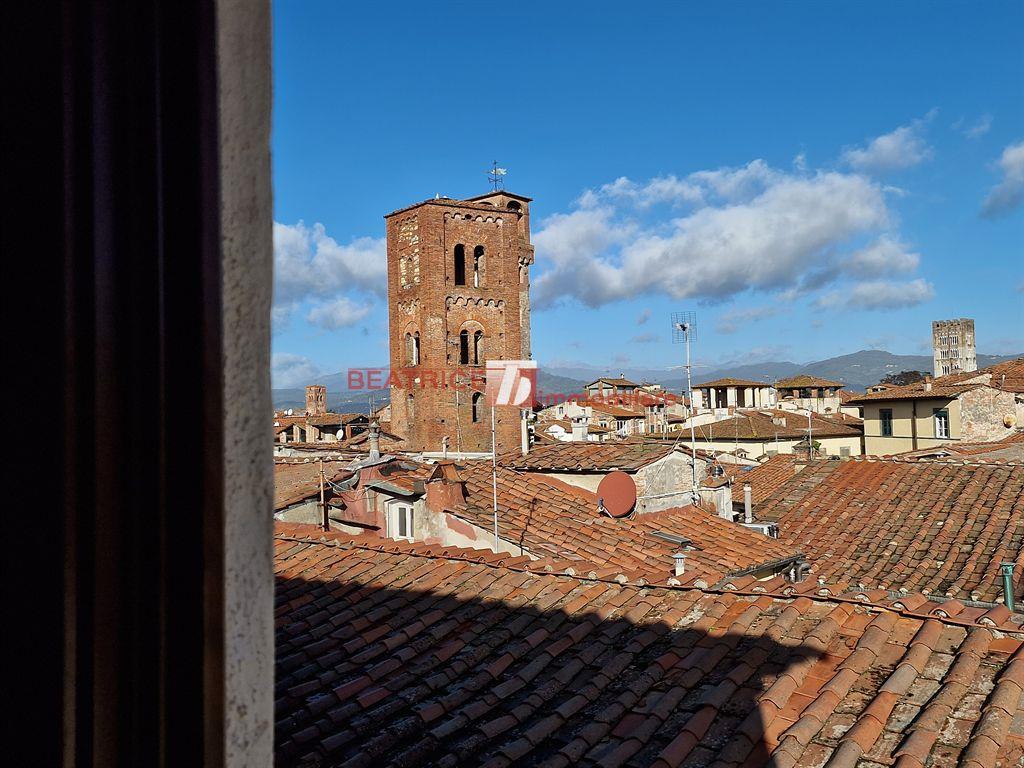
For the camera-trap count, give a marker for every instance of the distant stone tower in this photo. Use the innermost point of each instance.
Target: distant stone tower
(458, 295)
(953, 346)
(316, 400)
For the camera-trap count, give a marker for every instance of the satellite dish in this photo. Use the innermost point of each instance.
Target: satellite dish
(617, 493)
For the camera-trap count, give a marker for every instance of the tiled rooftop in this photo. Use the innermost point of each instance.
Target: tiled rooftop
(552, 519)
(1010, 448)
(730, 382)
(761, 424)
(1008, 376)
(628, 456)
(612, 409)
(804, 381)
(763, 479)
(933, 526)
(296, 480)
(391, 657)
(618, 381)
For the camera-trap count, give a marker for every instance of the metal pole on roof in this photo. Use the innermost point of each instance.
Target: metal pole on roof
(810, 445)
(494, 478)
(325, 523)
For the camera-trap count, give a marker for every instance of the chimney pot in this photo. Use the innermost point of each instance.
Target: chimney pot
(373, 437)
(748, 508)
(679, 563)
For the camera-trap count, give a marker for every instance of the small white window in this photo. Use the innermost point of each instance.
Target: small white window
(941, 423)
(400, 521)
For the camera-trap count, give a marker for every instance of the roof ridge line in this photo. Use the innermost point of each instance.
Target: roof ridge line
(622, 580)
(980, 462)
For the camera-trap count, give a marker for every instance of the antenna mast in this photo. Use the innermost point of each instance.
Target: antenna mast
(683, 326)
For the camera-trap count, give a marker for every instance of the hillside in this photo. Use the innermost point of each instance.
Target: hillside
(857, 370)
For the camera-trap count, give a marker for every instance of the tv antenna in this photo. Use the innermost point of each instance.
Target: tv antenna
(684, 325)
(496, 176)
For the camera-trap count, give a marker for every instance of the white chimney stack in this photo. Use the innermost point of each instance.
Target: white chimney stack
(679, 563)
(580, 430)
(748, 506)
(374, 439)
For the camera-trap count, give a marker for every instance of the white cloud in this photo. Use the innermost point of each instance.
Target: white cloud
(974, 130)
(734, 319)
(902, 148)
(308, 263)
(339, 313)
(757, 227)
(878, 294)
(885, 256)
(1008, 193)
(288, 370)
(644, 316)
(644, 338)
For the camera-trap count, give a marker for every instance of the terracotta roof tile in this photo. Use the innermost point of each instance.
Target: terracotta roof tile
(765, 424)
(930, 526)
(401, 657)
(629, 456)
(551, 518)
(730, 382)
(763, 479)
(805, 381)
(295, 481)
(1008, 376)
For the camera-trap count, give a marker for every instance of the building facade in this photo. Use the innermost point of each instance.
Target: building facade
(458, 296)
(981, 406)
(953, 348)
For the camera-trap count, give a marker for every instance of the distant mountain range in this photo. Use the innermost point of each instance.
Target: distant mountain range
(858, 371)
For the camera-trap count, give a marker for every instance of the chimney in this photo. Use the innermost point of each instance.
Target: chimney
(445, 488)
(927, 383)
(524, 432)
(373, 433)
(1007, 572)
(579, 429)
(316, 400)
(679, 563)
(748, 507)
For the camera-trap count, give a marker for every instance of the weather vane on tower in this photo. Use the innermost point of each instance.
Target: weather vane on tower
(496, 176)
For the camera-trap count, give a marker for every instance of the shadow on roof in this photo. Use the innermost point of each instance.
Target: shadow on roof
(539, 672)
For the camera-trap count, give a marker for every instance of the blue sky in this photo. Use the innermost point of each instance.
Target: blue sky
(810, 178)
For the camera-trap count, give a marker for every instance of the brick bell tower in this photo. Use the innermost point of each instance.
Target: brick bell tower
(458, 295)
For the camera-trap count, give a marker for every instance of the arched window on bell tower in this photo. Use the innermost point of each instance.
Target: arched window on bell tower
(464, 347)
(478, 266)
(460, 264)
(477, 406)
